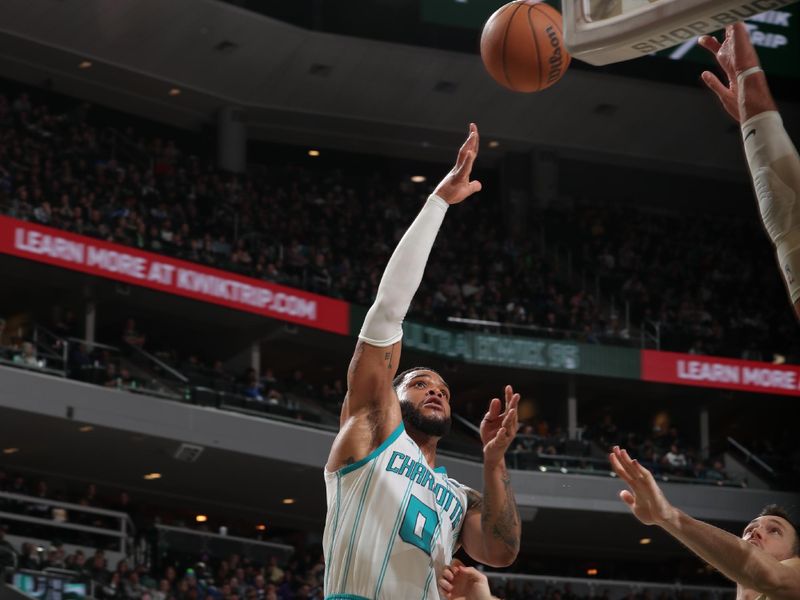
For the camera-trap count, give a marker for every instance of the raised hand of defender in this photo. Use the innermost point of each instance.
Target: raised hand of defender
(498, 429)
(734, 55)
(463, 583)
(645, 499)
(456, 186)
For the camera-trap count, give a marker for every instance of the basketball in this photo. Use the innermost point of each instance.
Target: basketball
(522, 46)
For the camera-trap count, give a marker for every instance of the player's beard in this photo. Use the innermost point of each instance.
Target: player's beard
(432, 426)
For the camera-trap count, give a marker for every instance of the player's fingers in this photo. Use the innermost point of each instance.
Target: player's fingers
(494, 409)
(466, 166)
(475, 187)
(630, 466)
(627, 497)
(456, 564)
(715, 85)
(710, 43)
(510, 420)
(476, 141)
(619, 469)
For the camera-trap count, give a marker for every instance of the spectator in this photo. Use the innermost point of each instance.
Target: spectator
(27, 356)
(131, 335)
(675, 460)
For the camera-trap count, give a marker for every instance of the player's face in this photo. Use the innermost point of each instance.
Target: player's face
(774, 535)
(425, 402)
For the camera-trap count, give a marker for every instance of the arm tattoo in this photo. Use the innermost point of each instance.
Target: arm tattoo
(502, 524)
(388, 358)
(474, 500)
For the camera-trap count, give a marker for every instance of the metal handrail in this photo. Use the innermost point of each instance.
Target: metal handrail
(175, 373)
(219, 536)
(751, 456)
(550, 579)
(67, 505)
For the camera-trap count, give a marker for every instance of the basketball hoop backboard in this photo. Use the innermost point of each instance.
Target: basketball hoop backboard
(602, 32)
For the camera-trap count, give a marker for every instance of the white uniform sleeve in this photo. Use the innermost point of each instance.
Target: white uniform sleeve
(775, 169)
(383, 325)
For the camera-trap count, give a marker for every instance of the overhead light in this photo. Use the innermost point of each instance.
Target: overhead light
(494, 144)
(313, 152)
(201, 518)
(591, 572)
(288, 500)
(418, 178)
(86, 428)
(543, 469)
(86, 64)
(151, 476)
(10, 450)
(261, 527)
(645, 541)
(175, 92)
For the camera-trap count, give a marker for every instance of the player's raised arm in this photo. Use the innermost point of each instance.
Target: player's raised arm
(492, 526)
(768, 567)
(772, 158)
(370, 411)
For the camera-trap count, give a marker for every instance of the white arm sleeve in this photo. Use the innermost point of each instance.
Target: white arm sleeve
(775, 168)
(383, 325)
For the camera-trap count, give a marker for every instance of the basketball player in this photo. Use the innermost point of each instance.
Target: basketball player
(394, 518)
(773, 159)
(764, 563)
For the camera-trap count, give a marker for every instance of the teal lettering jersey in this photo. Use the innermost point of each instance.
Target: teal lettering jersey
(393, 523)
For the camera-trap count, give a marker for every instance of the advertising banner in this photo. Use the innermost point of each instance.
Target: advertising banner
(716, 372)
(172, 276)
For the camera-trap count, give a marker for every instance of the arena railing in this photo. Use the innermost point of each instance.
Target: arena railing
(75, 525)
(595, 588)
(191, 541)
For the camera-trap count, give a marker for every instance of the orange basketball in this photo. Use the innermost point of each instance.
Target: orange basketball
(522, 46)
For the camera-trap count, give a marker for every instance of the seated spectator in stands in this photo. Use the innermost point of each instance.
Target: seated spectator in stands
(716, 472)
(77, 562)
(27, 356)
(29, 557)
(131, 335)
(132, 587)
(2, 332)
(56, 557)
(675, 460)
(113, 589)
(251, 387)
(111, 377)
(78, 361)
(40, 509)
(273, 572)
(8, 556)
(298, 385)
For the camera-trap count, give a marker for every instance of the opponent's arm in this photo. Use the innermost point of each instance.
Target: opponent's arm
(772, 158)
(377, 354)
(744, 563)
(492, 526)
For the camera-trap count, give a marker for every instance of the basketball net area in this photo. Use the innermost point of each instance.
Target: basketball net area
(602, 32)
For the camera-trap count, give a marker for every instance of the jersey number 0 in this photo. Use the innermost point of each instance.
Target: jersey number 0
(419, 525)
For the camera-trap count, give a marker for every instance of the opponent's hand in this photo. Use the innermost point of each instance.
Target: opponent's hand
(498, 429)
(463, 583)
(645, 499)
(734, 55)
(456, 186)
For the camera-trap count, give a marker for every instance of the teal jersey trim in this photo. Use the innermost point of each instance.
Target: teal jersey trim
(441, 470)
(395, 530)
(386, 443)
(335, 525)
(345, 597)
(355, 526)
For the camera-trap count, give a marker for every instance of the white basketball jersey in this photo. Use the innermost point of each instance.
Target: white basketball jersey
(392, 524)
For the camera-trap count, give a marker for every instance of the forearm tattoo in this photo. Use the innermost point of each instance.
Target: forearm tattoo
(502, 522)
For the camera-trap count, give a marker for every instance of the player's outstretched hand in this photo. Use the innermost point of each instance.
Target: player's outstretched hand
(645, 499)
(734, 55)
(498, 429)
(456, 186)
(463, 583)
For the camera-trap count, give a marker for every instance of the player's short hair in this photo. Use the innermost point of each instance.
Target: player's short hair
(775, 510)
(398, 380)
